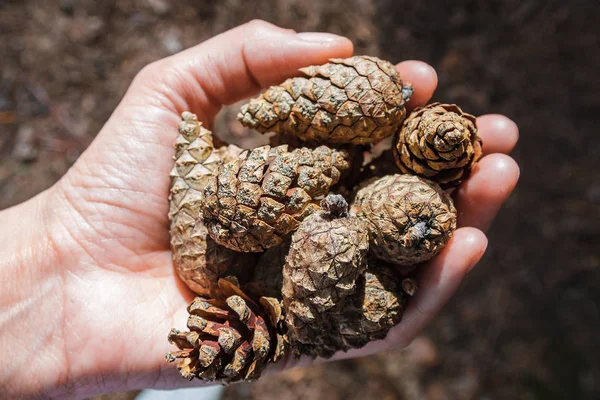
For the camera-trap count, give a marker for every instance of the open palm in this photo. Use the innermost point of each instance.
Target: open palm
(108, 222)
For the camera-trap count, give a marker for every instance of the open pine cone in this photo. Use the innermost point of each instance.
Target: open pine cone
(230, 338)
(354, 100)
(439, 142)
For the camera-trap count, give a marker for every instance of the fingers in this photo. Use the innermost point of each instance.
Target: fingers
(238, 63)
(438, 281)
(422, 77)
(494, 178)
(499, 133)
(481, 196)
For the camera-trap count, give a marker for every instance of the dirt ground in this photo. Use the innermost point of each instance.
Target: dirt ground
(525, 323)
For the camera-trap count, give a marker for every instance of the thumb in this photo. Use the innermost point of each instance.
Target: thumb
(232, 66)
(128, 163)
(222, 70)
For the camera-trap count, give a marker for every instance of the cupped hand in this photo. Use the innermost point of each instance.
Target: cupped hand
(107, 217)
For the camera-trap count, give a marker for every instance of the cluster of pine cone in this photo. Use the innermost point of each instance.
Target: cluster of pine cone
(297, 248)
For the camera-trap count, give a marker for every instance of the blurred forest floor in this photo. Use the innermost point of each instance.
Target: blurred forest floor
(525, 323)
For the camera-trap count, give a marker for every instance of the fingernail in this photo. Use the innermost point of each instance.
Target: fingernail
(318, 37)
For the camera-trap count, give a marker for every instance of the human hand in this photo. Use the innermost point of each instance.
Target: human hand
(110, 294)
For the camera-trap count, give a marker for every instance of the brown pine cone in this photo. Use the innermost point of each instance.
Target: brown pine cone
(439, 142)
(410, 219)
(354, 100)
(326, 257)
(377, 305)
(198, 260)
(260, 197)
(230, 339)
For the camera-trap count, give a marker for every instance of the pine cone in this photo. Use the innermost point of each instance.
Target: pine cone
(376, 307)
(260, 197)
(354, 100)
(326, 257)
(410, 219)
(198, 260)
(439, 142)
(231, 338)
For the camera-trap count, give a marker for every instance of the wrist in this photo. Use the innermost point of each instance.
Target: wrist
(31, 300)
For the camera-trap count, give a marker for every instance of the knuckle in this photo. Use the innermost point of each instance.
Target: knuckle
(258, 25)
(157, 75)
(150, 71)
(260, 28)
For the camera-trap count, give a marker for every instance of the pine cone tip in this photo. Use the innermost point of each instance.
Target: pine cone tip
(335, 206)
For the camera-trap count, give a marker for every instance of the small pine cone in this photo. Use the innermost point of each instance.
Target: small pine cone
(231, 338)
(368, 314)
(410, 219)
(376, 307)
(439, 142)
(254, 201)
(326, 257)
(355, 100)
(198, 260)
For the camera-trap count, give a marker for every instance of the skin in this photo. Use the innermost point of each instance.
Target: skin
(87, 287)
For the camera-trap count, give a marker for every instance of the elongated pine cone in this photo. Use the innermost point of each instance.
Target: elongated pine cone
(410, 219)
(439, 142)
(231, 338)
(254, 201)
(354, 100)
(198, 260)
(326, 257)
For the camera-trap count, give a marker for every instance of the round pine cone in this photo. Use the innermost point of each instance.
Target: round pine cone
(368, 314)
(254, 201)
(376, 307)
(231, 338)
(354, 100)
(410, 219)
(326, 257)
(439, 142)
(198, 260)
